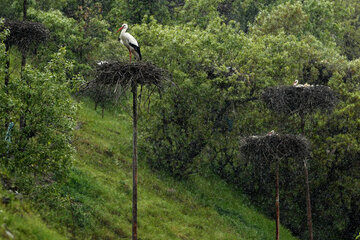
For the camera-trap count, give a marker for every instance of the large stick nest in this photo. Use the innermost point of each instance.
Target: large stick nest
(299, 99)
(122, 73)
(113, 78)
(273, 147)
(25, 34)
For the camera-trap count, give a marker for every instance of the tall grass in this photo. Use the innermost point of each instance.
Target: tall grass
(95, 202)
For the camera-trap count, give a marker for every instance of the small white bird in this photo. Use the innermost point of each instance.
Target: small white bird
(102, 63)
(130, 42)
(296, 84)
(271, 132)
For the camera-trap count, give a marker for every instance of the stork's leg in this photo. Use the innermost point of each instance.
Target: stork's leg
(130, 56)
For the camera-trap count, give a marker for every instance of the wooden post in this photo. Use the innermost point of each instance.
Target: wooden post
(7, 66)
(306, 173)
(134, 223)
(23, 63)
(102, 110)
(277, 202)
(25, 10)
(23, 54)
(302, 123)
(23, 60)
(308, 202)
(7, 77)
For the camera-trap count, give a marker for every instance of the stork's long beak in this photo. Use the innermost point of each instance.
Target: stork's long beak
(120, 29)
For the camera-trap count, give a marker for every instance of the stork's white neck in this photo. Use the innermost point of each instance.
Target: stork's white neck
(124, 30)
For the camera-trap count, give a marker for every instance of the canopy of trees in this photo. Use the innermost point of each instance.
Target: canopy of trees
(222, 55)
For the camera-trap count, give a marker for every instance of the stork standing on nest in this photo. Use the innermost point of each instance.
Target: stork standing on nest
(296, 84)
(272, 132)
(130, 42)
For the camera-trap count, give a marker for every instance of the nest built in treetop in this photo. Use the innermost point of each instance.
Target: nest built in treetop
(113, 78)
(299, 99)
(25, 34)
(273, 147)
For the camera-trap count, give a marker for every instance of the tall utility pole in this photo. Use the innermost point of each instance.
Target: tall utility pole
(277, 202)
(134, 165)
(124, 74)
(25, 10)
(306, 173)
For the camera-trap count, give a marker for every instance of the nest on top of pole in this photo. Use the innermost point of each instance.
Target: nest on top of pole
(114, 78)
(25, 34)
(265, 149)
(299, 99)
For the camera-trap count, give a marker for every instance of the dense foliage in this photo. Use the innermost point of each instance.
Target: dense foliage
(42, 97)
(221, 72)
(222, 54)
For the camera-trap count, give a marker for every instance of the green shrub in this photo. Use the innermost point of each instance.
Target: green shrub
(41, 146)
(174, 138)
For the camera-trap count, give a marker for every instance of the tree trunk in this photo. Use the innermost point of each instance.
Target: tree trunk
(134, 223)
(302, 124)
(102, 110)
(23, 60)
(7, 77)
(308, 202)
(7, 66)
(23, 116)
(277, 202)
(306, 173)
(23, 63)
(25, 10)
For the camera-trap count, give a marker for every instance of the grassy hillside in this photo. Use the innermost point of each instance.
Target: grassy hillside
(96, 201)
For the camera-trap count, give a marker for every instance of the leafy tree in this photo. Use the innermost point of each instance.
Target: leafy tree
(310, 17)
(82, 39)
(347, 13)
(221, 53)
(231, 69)
(11, 9)
(3, 35)
(244, 12)
(200, 13)
(133, 11)
(288, 18)
(42, 148)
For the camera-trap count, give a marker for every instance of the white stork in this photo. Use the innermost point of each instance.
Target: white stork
(272, 132)
(130, 42)
(296, 84)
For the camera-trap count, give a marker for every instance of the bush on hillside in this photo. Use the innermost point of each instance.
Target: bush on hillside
(42, 148)
(173, 141)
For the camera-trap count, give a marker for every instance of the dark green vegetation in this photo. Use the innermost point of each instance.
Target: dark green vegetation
(95, 200)
(222, 54)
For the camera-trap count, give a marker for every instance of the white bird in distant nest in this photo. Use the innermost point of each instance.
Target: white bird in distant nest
(130, 42)
(296, 84)
(272, 132)
(102, 63)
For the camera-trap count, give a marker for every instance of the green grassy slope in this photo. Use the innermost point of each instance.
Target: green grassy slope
(18, 220)
(96, 202)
